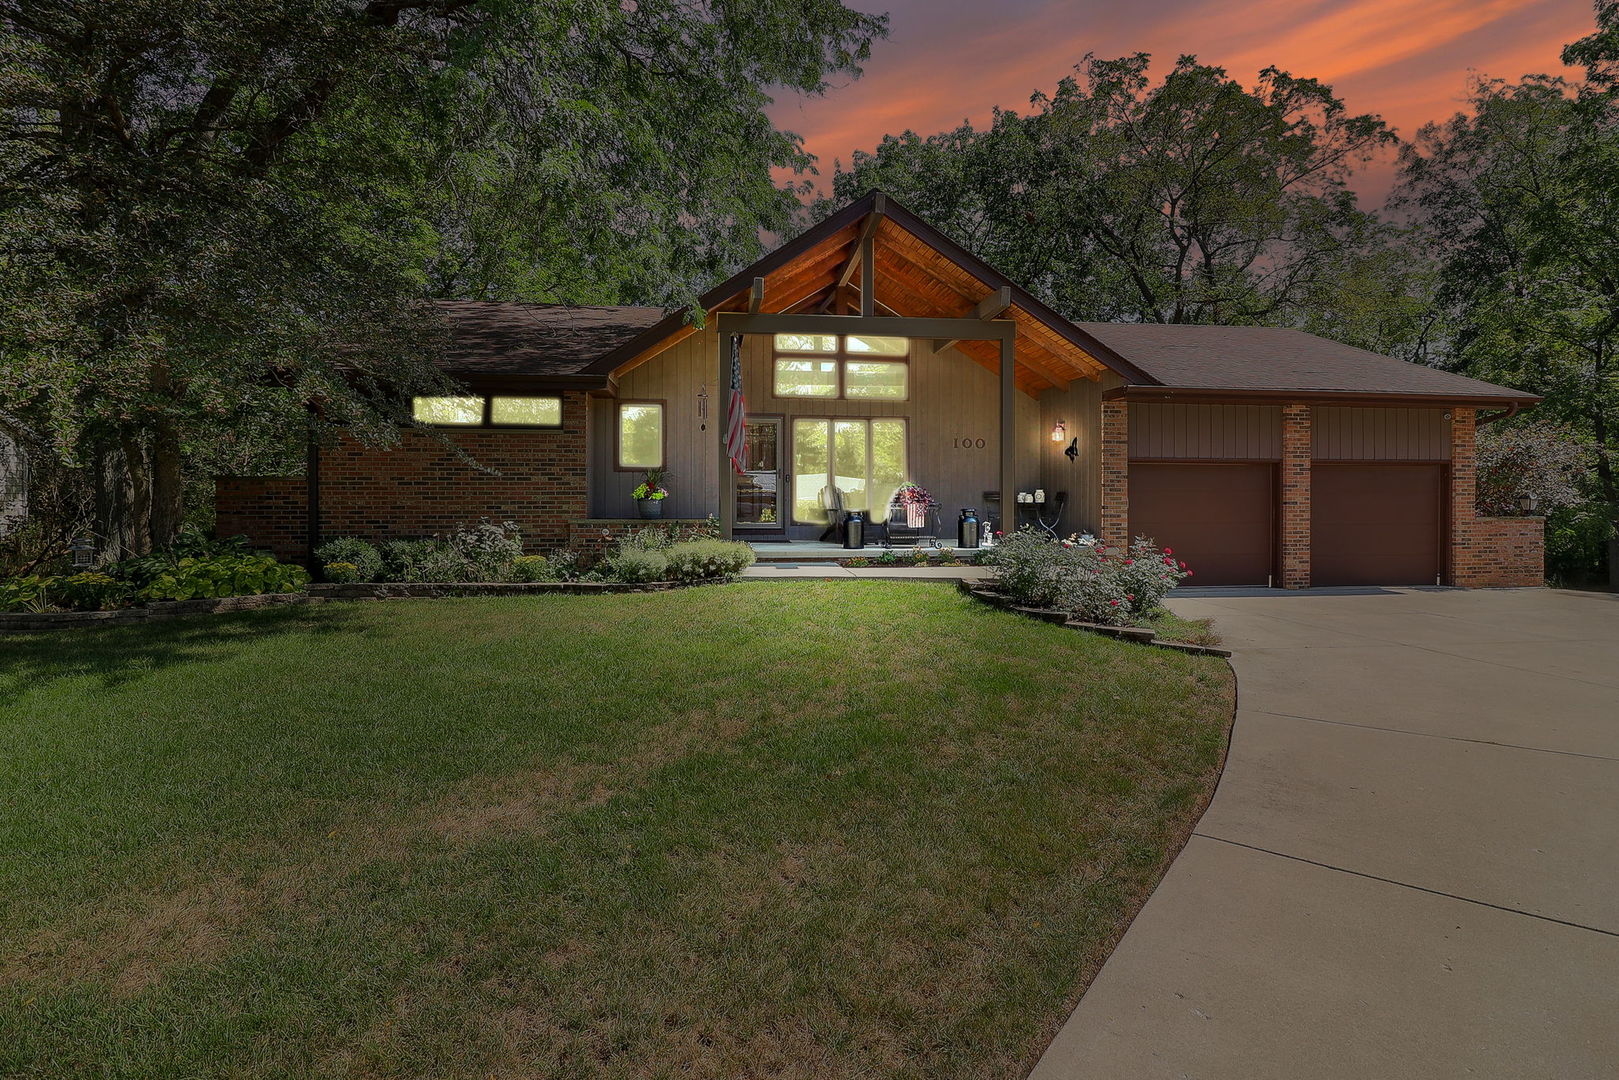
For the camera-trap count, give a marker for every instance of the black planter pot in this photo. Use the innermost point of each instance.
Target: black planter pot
(651, 509)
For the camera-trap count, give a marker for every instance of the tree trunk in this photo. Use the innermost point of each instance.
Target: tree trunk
(122, 504)
(167, 486)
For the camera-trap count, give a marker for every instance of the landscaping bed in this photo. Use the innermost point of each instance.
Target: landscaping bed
(756, 830)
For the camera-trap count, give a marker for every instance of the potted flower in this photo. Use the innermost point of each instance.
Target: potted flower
(916, 502)
(649, 495)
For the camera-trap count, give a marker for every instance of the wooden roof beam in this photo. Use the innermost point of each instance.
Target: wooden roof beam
(756, 296)
(990, 307)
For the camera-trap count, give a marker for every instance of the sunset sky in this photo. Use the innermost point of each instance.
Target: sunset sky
(1409, 60)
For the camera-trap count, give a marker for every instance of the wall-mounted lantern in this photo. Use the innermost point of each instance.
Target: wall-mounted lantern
(1529, 504)
(1059, 431)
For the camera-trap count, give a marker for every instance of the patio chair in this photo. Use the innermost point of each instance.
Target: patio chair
(832, 503)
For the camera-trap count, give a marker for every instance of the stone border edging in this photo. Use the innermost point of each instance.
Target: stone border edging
(17, 622)
(1139, 634)
(400, 590)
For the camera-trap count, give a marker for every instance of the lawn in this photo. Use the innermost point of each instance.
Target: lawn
(798, 829)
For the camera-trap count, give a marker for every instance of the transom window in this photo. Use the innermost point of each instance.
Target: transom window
(858, 367)
(494, 411)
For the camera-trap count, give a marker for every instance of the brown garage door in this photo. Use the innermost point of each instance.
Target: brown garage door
(1375, 524)
(1219, 517)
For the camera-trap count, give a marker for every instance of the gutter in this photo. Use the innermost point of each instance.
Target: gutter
(1223, 395)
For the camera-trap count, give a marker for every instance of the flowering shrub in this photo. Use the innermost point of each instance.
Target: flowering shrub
(488, 549)
(1094, 582)
(1545, 461)
(341, 572)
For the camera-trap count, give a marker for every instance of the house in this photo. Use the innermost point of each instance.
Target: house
(875, 350)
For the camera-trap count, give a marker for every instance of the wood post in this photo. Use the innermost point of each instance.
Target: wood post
(1008, 435)
(726, 482)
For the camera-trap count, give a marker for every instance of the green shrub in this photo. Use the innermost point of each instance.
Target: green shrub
(87, 591)
(701, 560)
(637, 565)
(488, 549)
(423, 561)
(91, 591)
(532, 568)
(30, 592)
(225, 575)
(1094, 582)
(341, 572)
(360, 554)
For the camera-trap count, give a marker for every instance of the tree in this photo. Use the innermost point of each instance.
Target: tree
(1192, 200)
(216, 215)
(1516, 198)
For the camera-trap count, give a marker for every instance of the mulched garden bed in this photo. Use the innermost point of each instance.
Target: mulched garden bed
(995, 598)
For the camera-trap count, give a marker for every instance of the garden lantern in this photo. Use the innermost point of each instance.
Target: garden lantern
(84, 550)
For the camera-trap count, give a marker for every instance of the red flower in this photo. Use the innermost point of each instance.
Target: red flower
(1183, 566)
(1115, 603)
(1188, 573)
(1169, 551)
(1129, 562)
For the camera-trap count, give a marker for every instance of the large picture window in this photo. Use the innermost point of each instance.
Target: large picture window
(853, 366)
(640, 435)
(863, 459)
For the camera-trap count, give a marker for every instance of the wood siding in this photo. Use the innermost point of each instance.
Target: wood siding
(953, 403)
(1206, 432)
(1079, 406)
(1362, 434)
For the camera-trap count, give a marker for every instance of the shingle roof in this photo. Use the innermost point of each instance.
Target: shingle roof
(1268, 358)
(493, 338)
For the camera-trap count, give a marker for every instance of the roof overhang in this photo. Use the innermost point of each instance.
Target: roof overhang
(1205, 395)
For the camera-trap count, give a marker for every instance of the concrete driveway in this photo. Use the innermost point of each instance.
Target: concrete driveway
(1411, 866)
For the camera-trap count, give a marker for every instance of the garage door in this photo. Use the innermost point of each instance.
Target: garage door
(1220, 518)
(1375, 524)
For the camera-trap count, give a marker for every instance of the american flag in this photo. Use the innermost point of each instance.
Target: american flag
(736, 407)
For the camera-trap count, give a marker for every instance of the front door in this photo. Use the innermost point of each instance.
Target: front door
(760, 485)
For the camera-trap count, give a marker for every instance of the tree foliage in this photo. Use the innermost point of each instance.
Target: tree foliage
(1193, 199)
(1515, 200)
(213, 214)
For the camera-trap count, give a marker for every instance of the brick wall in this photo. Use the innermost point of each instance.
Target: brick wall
(424, 486)
(269, 510)
(1487, 552)
(1115, 524)
(1295, 508)
(1505, 553)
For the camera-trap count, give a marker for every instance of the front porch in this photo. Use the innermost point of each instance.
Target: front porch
(814, 551)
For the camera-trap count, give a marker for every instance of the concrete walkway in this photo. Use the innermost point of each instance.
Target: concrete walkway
(882, 573)
(1411, 866)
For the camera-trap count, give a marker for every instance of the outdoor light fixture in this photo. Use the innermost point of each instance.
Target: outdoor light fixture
(84, 550)
(1529, 504)
(1059, 431)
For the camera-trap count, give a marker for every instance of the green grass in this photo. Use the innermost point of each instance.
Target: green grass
(1171, 627)
(828, 829)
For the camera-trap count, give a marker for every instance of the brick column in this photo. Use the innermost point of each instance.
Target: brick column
(1115, 524)
(1296, 453)
(1463, 490)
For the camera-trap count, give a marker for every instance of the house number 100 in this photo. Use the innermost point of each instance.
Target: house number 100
(970, 444)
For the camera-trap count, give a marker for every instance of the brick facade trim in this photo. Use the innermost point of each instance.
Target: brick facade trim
(1115, 524)
(1295, 505)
